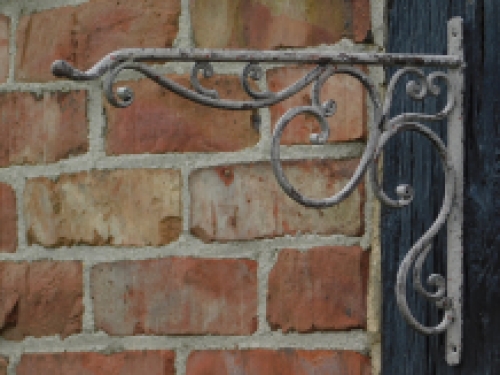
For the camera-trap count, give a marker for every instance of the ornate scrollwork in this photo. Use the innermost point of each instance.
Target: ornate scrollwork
(255, 72)
(416, 256)
(320, 112)
(201, 94)
(381, 130)
(418, 90)
(208, 72)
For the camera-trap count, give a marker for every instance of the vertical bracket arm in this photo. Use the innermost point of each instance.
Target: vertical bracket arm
(455, 220)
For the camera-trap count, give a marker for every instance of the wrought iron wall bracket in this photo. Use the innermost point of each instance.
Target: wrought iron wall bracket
(447, 292)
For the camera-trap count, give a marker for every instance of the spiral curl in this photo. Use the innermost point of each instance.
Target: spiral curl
(200, 94)
(320, 112)
(254, 71)
(208, 72)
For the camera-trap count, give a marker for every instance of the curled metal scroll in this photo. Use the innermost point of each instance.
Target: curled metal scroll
(255, 72)
(416, 256)
(208, 72)
(320, 112)
(123, 97)
(381, 130)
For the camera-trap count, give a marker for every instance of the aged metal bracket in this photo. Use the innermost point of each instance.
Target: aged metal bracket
(447, 295)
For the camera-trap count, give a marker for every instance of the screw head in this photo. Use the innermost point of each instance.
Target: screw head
(405, 193)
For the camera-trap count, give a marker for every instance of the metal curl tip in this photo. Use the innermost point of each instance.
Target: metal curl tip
(61, 68)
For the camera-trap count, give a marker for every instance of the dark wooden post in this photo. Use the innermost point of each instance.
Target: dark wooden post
(419, 26)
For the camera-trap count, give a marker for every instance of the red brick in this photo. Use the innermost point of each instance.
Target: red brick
(3, 366)
(318, 290)
(4, 47)
(85, 33)
(135, 207)
(348, 122)
(267, 24)
(152, 362)
(280, 362)
(243, 202)
(361, 20)
(8, 219)
(40, 299)
(176, 296)
(42, 128)
(160, 121)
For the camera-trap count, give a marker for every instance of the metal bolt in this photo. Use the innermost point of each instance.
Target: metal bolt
(404, 192)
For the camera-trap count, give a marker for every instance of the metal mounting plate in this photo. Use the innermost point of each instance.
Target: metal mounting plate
(455, 220)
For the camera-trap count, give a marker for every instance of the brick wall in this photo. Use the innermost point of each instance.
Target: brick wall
(155, 239)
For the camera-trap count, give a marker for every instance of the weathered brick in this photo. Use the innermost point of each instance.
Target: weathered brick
(348, 122)
(178, 296)
(154, 362)
(42, 128)
(160, 121)
(267, 24)
(3, 366)
(40, 299)
(280, 362)
(8, 219)
(121, 207)
(4, 47)
(361, 20)
(243, 202)
(85, 33)
(320, 289)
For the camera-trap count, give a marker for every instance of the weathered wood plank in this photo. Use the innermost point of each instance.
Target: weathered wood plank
(420, 26)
